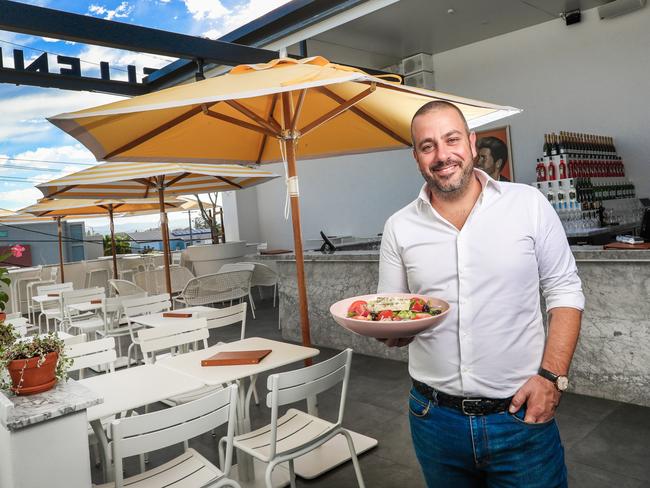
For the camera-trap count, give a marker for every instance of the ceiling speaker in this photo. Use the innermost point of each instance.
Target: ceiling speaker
(619, 7)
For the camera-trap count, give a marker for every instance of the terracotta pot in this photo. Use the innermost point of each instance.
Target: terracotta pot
(34, 379)
(3, 316)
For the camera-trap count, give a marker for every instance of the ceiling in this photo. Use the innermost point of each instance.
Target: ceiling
(412, 26)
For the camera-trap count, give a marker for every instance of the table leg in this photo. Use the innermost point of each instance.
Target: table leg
(244, 461)
(104, 451)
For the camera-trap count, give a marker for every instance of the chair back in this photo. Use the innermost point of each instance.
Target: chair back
(126, 288)
(218, 287)
(97, 277)
(56, 287)
(152, 431)
(236, 267)
(146, 305)
(69, 340)
(173, 335)
(300, 384)
(70, 297)
(263, 275)
(180, 276)
(93, 353)
(222, 317)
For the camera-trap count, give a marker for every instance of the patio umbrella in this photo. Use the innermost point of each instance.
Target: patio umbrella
(236, 117)
(98, 208)
(141, 180)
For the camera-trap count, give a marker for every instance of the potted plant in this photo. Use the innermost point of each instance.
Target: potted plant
(16, 251)
(31, 365)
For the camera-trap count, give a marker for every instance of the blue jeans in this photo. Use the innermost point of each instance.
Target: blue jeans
(496, 451)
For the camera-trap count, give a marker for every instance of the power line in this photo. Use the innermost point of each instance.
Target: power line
(27, 168)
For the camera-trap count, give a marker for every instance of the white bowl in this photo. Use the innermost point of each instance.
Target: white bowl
(387, 329)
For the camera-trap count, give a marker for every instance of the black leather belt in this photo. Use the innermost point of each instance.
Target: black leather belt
(467, 405)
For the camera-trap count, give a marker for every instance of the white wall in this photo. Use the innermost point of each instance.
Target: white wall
(351, 195)
(590, 77)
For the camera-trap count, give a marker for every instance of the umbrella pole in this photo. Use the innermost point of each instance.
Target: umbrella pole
(297, 241)
(60, 232)
(112, 225)
(164, 228)
(189, 221)
(223, 229)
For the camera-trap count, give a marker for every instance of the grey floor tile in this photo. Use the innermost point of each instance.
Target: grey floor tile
(586, 406)
(583, 476)
(574, 428)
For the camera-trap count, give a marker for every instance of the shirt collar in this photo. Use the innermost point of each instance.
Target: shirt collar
(488, 185)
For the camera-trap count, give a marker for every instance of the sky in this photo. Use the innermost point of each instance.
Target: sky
(31, 149)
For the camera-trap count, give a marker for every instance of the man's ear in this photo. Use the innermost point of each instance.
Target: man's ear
(500, 163)
(472, 144)
(415, 155)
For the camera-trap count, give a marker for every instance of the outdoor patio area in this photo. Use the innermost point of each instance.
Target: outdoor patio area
(605, 441)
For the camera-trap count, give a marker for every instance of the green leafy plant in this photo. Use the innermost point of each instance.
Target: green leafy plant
(12, 348)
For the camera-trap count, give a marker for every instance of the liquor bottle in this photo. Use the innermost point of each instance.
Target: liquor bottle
(561, 194)
(551, 169)
(540, 169)
(546, 150)
(562, 173)
(572, 191)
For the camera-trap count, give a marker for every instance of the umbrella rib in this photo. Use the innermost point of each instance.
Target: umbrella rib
(372, 121)
(296, 115)
(240, 123)
(158, 130)
(252, 115)
(226, 180)
(62, 190)
(178, 178)
(336, 111)
(271, 120)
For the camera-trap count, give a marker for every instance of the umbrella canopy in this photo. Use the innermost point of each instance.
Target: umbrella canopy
(98, 208)
(129, 180)
(313, 108)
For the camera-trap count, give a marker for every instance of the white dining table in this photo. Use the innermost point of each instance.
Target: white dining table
(158, 320)
(129, 389)
(249, 472)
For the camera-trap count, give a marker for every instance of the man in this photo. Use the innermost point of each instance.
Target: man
(492, 157)
(486, 379)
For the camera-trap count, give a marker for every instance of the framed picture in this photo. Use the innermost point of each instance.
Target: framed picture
(495, 153)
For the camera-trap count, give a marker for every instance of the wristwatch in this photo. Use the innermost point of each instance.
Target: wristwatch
(561, 382)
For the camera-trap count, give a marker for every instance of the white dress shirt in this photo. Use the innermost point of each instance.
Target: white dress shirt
(490, 272)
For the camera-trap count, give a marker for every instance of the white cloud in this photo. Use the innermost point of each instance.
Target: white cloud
(50, 39)
(206, 9)
(242, 14)
(120, 59)
(123, 10)
(24, 116)
(19, 198)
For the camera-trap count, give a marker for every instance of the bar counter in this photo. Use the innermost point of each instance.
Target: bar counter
(613, 354)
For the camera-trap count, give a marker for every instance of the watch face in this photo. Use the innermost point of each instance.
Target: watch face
(562, 383)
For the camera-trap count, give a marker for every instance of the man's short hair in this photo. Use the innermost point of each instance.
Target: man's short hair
(435, 106)
(497, 148)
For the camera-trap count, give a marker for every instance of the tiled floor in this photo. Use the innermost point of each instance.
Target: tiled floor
(607, 443)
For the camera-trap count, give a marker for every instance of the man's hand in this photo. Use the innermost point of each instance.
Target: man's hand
(401, 342)
(541, 399)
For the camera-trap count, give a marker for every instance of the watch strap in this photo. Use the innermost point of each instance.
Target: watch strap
(545, 373)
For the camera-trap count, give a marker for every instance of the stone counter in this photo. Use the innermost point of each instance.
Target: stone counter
(613, 353)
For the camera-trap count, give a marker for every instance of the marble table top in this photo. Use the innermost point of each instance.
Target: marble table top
(17, 412)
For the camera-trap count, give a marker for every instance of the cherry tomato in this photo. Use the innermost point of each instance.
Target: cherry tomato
(417, 305)
(361, 317)
(385, 315)
(359, 307)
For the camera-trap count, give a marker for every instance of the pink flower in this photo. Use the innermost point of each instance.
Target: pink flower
(17, 250)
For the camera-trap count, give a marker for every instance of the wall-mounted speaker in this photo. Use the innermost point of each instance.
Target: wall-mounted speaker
(619, 7)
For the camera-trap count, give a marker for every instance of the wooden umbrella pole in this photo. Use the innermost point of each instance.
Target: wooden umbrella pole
(60, 232)
(223, 229)
(295, 219)
(165, 235)
(110, 216)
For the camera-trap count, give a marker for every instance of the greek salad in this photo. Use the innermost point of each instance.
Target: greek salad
(393, 309)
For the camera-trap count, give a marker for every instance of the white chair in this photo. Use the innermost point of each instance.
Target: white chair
(84, 322)
(157, 430)
(173, 336)
(93, 353)
(124, 288)
(134, 307)
(264, 275)
(97, 278)
(216, 288)
(48, 277)
(296, 433)
(71, 340)
(113, 326)
(228, 267)
(51, 310)
(223, 317)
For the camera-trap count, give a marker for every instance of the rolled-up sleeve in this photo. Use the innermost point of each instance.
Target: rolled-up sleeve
(392, 275)
(558, 274)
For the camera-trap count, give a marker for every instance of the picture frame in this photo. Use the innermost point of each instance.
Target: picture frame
(486, 145)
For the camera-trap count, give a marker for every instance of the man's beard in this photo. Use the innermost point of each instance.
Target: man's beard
(448, 190)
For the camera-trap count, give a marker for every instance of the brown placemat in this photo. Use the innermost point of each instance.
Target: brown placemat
(275, 251)
(624, 245)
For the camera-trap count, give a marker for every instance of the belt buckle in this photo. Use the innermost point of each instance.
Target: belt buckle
(470, 406)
